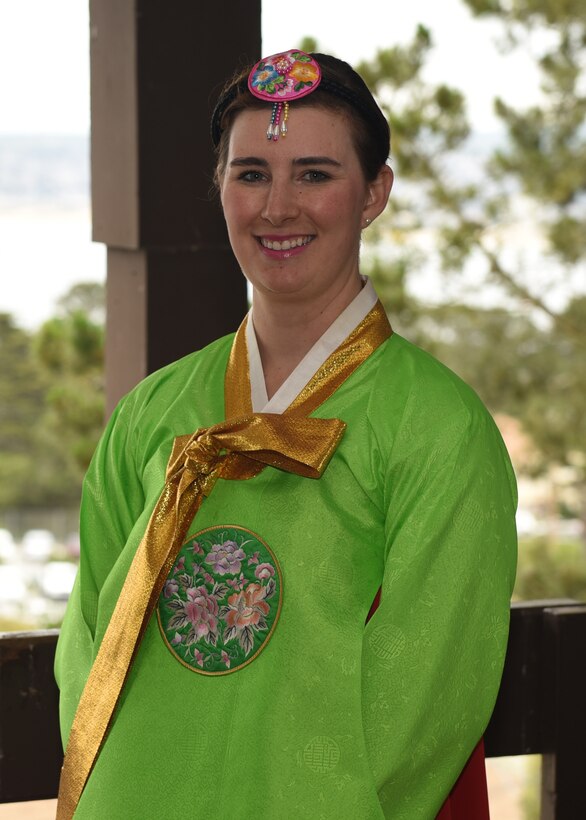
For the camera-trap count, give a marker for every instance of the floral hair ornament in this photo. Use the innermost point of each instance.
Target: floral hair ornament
(281, 79)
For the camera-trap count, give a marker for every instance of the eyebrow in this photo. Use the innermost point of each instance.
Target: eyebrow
(317, 161)
(302, 161)
(248, 161)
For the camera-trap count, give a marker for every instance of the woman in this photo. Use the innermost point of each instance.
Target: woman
(338, 476)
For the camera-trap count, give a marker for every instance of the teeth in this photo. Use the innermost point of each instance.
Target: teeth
(286, 244)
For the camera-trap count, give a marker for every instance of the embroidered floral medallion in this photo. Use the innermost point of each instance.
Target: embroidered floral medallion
(221, 601)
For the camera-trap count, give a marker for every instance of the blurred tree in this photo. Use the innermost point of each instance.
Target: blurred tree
(51, 401)
(85, 297)
(70, 349)
(21, 387)
(546, 150)
(543, 160)
(526, 357)
(32, 471)
(21, 392)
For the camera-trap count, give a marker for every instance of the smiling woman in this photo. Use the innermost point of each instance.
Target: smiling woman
(305, 612)
(295, 212)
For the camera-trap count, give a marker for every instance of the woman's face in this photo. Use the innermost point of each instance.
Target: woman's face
(295, 208)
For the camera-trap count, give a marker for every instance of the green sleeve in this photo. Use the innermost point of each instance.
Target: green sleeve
(112, 501)
(434, 650)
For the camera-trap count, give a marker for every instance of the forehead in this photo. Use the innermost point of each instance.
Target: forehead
(312, 131)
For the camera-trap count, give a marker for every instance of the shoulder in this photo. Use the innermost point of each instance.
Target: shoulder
(408, 374)
(175, 400)
(415, 398)
(198, 374)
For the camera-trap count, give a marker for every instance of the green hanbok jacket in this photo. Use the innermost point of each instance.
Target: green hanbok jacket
(258, 690)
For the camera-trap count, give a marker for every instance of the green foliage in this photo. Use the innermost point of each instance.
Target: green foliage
(23, 447)
(544, 158)
(21, 388)
(308, 44)
(88, 298)
(532, 12)
(70, 349)
(51, 402)
(546, 150)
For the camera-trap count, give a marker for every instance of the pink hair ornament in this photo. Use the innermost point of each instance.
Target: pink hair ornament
(281, 79)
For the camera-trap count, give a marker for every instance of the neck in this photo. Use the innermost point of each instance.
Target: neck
(286, 332)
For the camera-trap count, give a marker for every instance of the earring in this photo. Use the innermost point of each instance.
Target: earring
(367, 222)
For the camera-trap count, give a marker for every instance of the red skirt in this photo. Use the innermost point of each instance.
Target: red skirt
(468, 800)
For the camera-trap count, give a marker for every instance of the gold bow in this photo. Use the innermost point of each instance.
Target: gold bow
(235, 449)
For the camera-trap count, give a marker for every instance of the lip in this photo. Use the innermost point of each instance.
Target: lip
(284, 253)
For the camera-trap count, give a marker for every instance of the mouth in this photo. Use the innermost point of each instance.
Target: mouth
(289, 244)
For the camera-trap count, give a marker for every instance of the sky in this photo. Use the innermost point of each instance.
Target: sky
(44, 89)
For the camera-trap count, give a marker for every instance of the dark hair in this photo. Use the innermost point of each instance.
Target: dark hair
(341, 89)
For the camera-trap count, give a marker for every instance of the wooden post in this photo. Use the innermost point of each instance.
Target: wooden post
(156, 70)
(30, 745)
(563, 796)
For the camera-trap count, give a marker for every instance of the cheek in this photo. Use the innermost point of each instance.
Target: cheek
(235, 210)
(341, 215)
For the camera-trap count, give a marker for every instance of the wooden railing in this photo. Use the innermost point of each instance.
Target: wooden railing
(541, 707)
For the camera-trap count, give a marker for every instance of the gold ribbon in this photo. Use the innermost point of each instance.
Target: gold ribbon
(236, 449)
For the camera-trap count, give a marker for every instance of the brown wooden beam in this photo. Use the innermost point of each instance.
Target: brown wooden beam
(173, 284)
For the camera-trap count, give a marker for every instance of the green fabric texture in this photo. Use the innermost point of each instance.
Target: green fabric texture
(332, 719)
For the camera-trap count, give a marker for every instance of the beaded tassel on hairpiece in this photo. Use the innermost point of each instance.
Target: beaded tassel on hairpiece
(278, 124)
(280, 79)
(284, 120)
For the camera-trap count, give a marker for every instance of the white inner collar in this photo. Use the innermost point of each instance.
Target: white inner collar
(312, 361)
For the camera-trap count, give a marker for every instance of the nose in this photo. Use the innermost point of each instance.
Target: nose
(281, 202)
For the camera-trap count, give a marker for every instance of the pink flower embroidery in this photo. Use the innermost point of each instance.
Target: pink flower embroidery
(180, 565)
(226, 558)
(264, 571)
(226, 658)
(198, 657)
(202, 611)
(286, 89)
(253, 559)
(247, 608)
(177, 639)
(246, 614)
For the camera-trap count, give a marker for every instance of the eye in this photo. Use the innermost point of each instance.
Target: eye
(315, 176)
(251, 176)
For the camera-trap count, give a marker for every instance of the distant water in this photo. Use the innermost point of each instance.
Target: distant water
(44, 169)
(45, 224)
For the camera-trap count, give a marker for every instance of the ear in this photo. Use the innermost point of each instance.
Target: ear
(378, 194)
